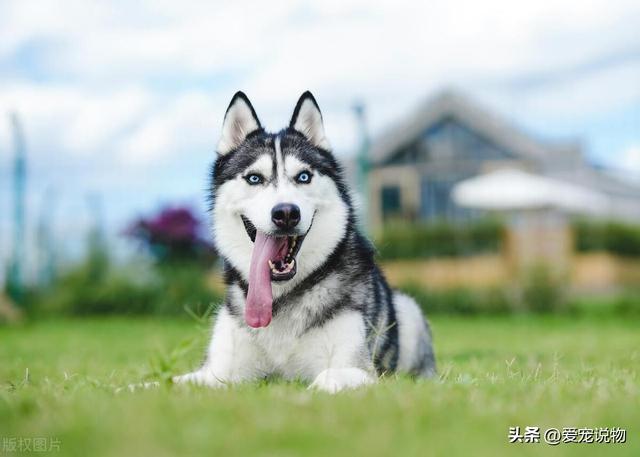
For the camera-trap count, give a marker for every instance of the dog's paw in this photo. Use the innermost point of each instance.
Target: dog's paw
(334, 380)
(199, 378)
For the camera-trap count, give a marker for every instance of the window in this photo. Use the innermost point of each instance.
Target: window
(391, 203)
(435, 201)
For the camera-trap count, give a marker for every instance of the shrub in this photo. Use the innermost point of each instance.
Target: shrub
(183, 285)
(613, 236)
(126, 290)
(176, 278)
(542, 291)
(400, 240)
(407, 241)
(625, 303)
(77, 293)
(458, 301)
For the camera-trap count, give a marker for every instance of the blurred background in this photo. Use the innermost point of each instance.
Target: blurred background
(494, 147)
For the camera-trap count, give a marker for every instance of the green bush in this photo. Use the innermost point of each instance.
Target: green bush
(183, 285)
(612, 236)
(540, 294)
(400, 240)
(625, 303)
(459, 301)
(140, 289)
(97, 285)
(438, 239)
(542, 291)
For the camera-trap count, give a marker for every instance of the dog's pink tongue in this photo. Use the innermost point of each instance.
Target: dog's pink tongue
(257, 312)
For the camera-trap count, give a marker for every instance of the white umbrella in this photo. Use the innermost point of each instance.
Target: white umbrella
(512, 189)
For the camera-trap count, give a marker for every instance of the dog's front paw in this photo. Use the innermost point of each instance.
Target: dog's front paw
(334, 380)
(200, 378)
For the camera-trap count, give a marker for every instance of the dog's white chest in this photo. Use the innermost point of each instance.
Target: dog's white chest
(281, 344)
(292, 346)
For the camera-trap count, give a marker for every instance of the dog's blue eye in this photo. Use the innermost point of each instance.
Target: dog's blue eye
(254, 179)
(304, 177)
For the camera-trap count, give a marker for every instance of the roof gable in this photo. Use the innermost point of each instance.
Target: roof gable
(451, 139)
(456, 107)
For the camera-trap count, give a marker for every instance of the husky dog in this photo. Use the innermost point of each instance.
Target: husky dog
(305, 299)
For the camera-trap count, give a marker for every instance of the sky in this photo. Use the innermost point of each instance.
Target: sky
(122, 101)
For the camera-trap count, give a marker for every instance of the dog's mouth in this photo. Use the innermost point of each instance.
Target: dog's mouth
(284, 249)
(273, 259)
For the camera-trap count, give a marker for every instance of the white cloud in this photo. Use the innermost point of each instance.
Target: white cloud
(592, 95)
(389, 54)
(630, 159)
(357, 40)
(72, 120)
(101, 118)
(104, 60)
(178, 127)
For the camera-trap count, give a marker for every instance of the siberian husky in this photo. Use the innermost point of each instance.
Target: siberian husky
(305, 299)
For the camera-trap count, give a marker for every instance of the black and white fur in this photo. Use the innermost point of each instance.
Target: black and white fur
(336, 324)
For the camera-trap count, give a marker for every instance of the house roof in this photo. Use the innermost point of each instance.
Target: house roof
(624, 195)
(600, 178)
(453, 104)
(561, 162)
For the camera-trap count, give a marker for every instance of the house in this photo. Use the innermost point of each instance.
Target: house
(415, 165)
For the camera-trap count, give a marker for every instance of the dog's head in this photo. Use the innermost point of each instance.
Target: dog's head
(280, 206)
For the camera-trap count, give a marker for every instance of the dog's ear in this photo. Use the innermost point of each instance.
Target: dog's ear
(239, 121)
(307, 119)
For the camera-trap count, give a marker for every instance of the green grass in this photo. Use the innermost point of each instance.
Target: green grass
(57, 379)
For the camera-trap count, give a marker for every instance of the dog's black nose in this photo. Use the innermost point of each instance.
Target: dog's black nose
(285, 215)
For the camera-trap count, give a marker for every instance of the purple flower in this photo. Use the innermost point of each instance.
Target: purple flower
(174, 233)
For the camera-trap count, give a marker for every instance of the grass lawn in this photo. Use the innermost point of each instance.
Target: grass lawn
(57, 381)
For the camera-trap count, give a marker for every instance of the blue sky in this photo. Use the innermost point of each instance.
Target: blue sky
(125, 99)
